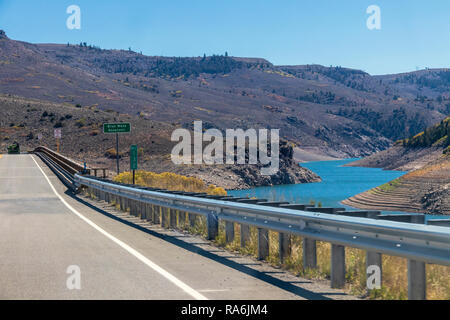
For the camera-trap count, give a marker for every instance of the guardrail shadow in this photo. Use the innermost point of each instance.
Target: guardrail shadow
(242, 267)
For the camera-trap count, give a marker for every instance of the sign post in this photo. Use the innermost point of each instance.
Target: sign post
(117, 128)
(134, 160)
(58, 134)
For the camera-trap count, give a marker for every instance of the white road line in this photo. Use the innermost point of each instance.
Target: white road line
(195, 294)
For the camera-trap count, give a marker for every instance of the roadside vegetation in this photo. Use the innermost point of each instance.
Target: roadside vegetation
(394, 269)
(169, 181)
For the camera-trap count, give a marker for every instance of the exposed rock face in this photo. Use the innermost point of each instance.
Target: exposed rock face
(238, 177)
(400, 158)
(289, 172)
(436, 201)
(3, 35)
(286, 175)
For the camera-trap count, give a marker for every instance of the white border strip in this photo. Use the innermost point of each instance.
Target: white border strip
(195, 294)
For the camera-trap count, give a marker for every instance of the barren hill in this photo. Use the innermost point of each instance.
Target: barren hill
(25, 120)
(342, 112)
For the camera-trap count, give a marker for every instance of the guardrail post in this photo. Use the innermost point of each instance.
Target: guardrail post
(143, 209)
(156, 214)
(284, 246)
(374, 259)
(119, 200)
(148, 212)
(192, 218)
(164, 213)
(133, 208)
(138, 206)
(212, 225)
(131, 205)
(123, 205)
(181, 219)
(173, 218)
(245, 235)
(417, 283)
(263, 244)
(337, 266)
(309, 253)
(229, 231)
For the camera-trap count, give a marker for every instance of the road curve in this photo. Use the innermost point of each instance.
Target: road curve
(44, 231)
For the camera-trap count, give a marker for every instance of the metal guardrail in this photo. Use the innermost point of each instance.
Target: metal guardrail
(67, 164)
(64, 167)
(418, 243)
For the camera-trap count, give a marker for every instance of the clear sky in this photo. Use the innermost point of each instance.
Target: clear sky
(414, 33)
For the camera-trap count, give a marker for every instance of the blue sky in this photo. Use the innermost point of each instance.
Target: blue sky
(414, 34)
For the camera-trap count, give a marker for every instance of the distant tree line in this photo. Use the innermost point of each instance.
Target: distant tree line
(438, 135)
(433, 81)
(170, 67)
(396, 126)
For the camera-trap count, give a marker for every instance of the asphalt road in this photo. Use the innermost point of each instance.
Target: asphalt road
(44, 231)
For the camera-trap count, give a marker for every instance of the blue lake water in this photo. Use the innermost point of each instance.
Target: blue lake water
(338, 183)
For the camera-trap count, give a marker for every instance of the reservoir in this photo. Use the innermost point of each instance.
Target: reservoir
(338, 183)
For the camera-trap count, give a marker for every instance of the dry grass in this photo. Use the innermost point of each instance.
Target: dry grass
(427, 170)
(394, 284)
(169, 181)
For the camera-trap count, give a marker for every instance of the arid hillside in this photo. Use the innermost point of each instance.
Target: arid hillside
(338, 111)
(24, 120)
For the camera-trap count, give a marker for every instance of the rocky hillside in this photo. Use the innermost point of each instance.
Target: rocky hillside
(414, 152)
(25, 120)
(339, 112)
(425, 190)
(426, 187)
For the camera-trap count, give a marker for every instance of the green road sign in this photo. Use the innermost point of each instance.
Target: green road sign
(133, 157)
(124, 127)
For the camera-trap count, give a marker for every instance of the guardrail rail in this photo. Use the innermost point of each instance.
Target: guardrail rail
(419, 243)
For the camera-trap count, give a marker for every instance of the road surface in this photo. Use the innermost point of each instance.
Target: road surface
(50, 241)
